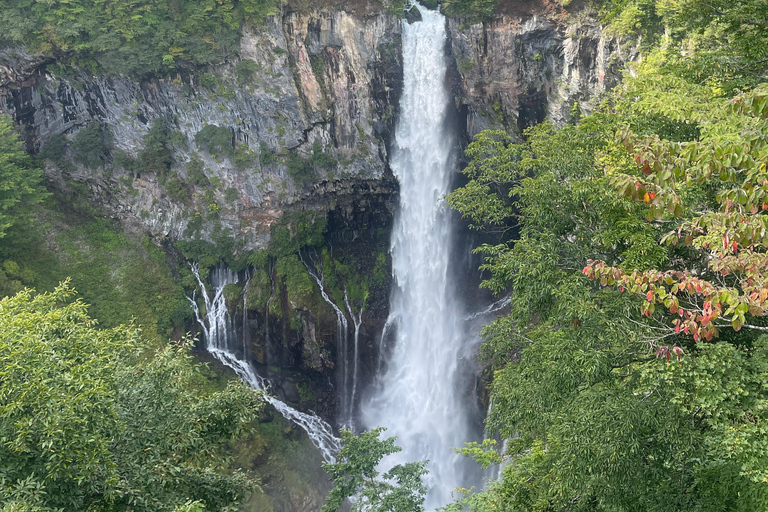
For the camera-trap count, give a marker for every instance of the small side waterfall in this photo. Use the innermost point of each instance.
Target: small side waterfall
(357, 321)
(220, 340)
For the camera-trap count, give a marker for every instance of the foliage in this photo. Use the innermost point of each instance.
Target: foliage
(266, 155)
(139, 38)
(156, 157)
(122, 278)
(216, 140)
(604, 408)
(729, 159)
(245, 70)
(196, 173)
(295, 231)
(475, 9)
(400, 489)
(299, 168)
(719, 42)
(92, 143)
(20, 186)
(80, 422)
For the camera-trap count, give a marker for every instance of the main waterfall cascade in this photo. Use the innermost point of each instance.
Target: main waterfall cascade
(420, 396)
(220, 341)
(421, 392)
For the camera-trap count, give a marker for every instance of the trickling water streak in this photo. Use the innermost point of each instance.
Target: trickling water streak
(493, 308)
(357, 321)
(341, 329)
(419, 397)
(219, 333)
(391, 321)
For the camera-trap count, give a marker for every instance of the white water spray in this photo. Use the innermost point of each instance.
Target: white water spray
(220, 338)
(419, 397)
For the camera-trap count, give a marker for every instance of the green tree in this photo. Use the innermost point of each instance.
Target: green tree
(355, 476)
(606, 403)
(94, 420)
(20, 184)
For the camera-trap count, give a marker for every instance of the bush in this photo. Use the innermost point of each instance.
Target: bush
(245, 70)
(231, 195)
(156, 156)
(300, 169)
(216, 140)
(177, 189)
(267, 155)
(54, 150)
(244, 158)
(92, 143)
(322, 159)
(196, 173)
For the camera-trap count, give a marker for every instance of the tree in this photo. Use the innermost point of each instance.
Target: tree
(599, 410)
(20, 183)
(355, 476)
(97, 420)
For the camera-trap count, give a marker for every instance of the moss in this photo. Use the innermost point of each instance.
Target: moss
(296, 231)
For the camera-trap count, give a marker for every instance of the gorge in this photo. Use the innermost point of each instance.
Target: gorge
(310, 183)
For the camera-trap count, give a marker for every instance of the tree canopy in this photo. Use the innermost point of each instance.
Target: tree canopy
(95, 419)
(355, 475)
(631, 371)
(137, 37)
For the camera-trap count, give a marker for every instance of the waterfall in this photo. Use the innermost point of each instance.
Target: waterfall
(341, 331)
(220, 339)
(419, 396)
(357, 321)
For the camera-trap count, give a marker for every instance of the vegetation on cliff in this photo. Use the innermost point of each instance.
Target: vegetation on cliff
(631, 372)
(138, 38)
(96, 419)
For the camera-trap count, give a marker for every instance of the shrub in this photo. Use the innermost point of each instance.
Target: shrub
(245, 70)
(196, 173)
(92, 143)
(216, 140)
(156, 156)
(300, 169)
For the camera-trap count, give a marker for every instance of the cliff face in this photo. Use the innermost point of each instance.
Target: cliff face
(306, 110)
(319, 83)
(517, 71)
(325, 81)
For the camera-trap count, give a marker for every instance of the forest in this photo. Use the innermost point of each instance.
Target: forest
(631, 373)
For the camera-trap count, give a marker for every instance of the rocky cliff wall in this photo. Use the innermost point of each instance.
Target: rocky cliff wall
(527, 66)
(324, 80)
(310, 104)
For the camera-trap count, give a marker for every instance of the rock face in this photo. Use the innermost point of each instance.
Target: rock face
(307, 108)
(515, 72)
(326, 82)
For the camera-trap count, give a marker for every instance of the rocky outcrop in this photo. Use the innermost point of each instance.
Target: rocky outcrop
(514, 72)
(325, 82)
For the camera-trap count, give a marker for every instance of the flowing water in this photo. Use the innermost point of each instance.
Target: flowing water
(221, 341)
(419, 396)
